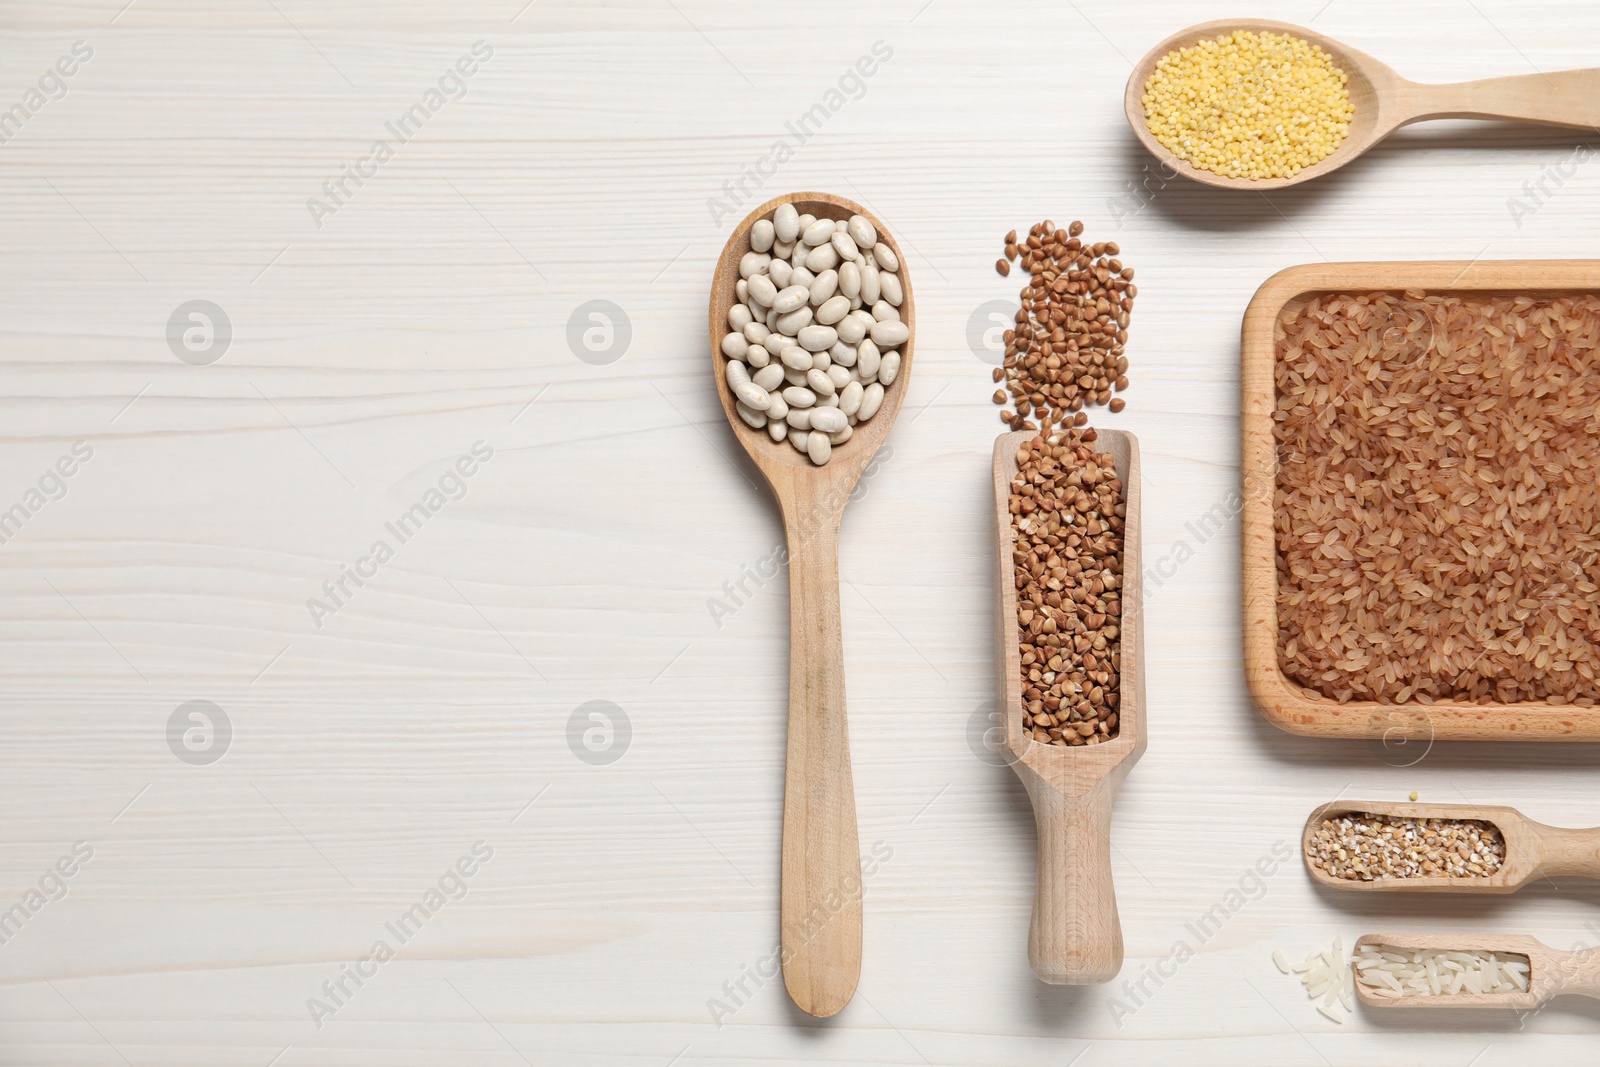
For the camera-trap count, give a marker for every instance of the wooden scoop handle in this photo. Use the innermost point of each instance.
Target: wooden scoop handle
(1564, 98)
(1570, 852)
(821, 897)
(1575, 972)
(1076, 938)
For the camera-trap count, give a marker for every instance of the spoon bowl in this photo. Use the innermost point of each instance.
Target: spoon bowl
(1551, 972)
(777, 459)
(820, 910)
(1383, 101)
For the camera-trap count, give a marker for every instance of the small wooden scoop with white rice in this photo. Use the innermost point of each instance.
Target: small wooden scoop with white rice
(1469, 971)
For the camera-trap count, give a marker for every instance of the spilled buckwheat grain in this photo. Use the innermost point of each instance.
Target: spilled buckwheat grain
(1066, 350)
(1067, 511)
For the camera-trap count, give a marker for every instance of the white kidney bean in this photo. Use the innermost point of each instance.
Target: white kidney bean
(795, 321)
(849, 279)
(786, 223)
(818, 233)
(779, 272)
(799, 438)
(752, 395)
(762, 291)
(798, 396)
(801, 276)
(886, 257)
(846, 248)
(777, 429)
(753, 263)
(833, 309)
(850, 398)
(794, 377)
(756, 333)
(736, 373)
(842, 354)
(870, 289)
(839, 376)
(889, 334)
(829, 420)
(819, 448)
(758, 357)
(822, 258)
(768, 377)
(739, 317)
(889, 284)
(777, 407)
(871, 401)
(816, 338)
(782, 250)
(795, 358)
(792, 297)
(762, 234)
(755, 419)
(861, 231)
(799, 418)
(835, 439)
(867, 359)
(741, 289)
(824, 286)
(883, 311)
(851, 330)
(820, 360)
(818, 382)
(887, 370)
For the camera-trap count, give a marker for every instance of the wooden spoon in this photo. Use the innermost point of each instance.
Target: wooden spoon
(1551, 972)
(821, 895)
(1533, 850)
(1383, 100)
(1075, 937)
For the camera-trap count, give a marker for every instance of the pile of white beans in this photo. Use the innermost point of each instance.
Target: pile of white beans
(814, 338)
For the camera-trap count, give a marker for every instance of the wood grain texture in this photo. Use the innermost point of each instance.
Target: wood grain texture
(1283, 702)
(625, 906)
(820, 913)
(1076, 936)
(1551, 972)
(1382, 99)
(1533, 850)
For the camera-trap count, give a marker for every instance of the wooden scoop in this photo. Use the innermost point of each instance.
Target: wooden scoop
(1551, 972)
(821, 895)
(1533, 850)
(1383, 100)
(1075, 937)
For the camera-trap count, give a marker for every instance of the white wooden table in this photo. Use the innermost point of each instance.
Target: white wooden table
(439, 705)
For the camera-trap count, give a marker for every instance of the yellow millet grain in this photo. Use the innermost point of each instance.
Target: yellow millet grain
(1249, 105)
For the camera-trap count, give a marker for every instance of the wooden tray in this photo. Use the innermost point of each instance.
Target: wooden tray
(1281, 701)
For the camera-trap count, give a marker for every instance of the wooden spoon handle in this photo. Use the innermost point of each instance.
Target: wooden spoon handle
(821, 897)
(1076, 938)
(1564, 98)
